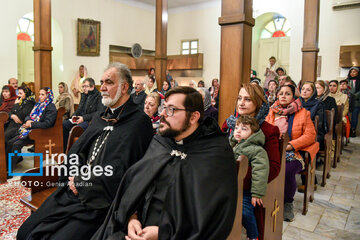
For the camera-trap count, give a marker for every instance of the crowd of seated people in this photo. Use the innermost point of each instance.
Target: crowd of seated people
(283, 107)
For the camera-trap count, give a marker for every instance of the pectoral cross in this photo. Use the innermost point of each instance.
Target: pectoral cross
(274, 213)
(50, 146)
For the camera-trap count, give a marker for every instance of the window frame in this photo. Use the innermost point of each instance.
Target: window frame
(189, 49)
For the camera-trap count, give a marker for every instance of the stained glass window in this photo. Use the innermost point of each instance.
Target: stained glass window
(278, 27)
(25, 28)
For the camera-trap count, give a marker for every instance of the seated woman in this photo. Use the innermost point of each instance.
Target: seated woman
(150, 86)
(209, 110)
(152, 103)
(289, 115)
(8, 97)
(329, 102)
(65, 100)
(316, 108)
(166, 87)
(340, 98)
(251, 101)
(22, 108)
(271, 92)
(43, 115)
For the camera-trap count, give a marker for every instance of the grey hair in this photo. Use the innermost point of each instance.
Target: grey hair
(123, 73)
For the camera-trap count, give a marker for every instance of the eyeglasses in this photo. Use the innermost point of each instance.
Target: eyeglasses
(171, 110)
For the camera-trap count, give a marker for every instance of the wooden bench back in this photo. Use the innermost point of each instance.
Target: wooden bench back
(242, 164)
(273, 202)
(50, 139)
(3, 171)
(74, 135)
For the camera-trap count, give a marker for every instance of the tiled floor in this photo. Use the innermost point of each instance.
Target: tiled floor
(335, 211)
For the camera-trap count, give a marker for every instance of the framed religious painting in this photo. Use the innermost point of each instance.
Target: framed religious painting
(88, 37)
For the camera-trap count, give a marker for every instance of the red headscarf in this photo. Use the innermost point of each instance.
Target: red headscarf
(7, 104)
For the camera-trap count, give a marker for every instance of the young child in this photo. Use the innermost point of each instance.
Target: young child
(248, 140)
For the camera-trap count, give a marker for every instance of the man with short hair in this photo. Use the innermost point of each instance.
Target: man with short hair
(89, 104)
(185, 187)
(111, 142)
(139, 95)
(14, 83)
(345, 89)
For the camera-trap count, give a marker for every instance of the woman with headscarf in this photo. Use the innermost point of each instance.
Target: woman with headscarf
(76, 84)
(22, 108)
(43, 115)
(8, 97)
(214, 92)
(341, 99)
(165, 88)
(354, 80)
(150, 86)
(251, 101)
(65, 100)
(323, 95)
(209, 110)
(308, 99)
(288, 114)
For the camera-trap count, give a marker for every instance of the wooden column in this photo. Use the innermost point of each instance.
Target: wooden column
(42, 44)
(161, 41)
(310, 43)
(236, 23)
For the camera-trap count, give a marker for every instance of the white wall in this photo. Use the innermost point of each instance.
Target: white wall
(197, 23)
(336, 28)
(120, 25)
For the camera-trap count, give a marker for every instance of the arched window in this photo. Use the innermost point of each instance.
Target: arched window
(278, 27)
(25, 28)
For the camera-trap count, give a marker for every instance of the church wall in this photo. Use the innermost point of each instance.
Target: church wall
(120, 25)
(202, 23)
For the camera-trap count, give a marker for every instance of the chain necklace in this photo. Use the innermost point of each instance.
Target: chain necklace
(109, 129)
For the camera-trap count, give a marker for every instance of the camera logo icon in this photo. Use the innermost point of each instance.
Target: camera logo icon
(11, 155)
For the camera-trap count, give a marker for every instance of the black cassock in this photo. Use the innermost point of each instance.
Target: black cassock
(66, 216)
(199, 200)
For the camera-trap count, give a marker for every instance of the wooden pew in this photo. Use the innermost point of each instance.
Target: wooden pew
(242, 164)
(309, 174)
(273, 202)
(330, 115)
(338, 135)
(3, 170)
(47, 184)
(49, 139)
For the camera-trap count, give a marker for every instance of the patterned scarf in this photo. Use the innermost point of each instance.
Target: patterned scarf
(293, 107)
(36, 113)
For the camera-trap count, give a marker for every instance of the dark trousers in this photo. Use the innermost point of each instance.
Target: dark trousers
(16, 144)
(355, 117)
(67, 126)
(248, 216)
(292, 168)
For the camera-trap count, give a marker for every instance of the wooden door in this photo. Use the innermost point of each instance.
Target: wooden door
(277, 47)
(25, 61)
(267, 47)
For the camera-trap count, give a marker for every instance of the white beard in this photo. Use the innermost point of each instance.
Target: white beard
(108, 102)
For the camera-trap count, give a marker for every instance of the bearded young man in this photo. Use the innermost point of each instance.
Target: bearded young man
(185, 186)
(112, 141)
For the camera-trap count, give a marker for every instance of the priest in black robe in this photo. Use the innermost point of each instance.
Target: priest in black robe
(115, 139)
(185, 186)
